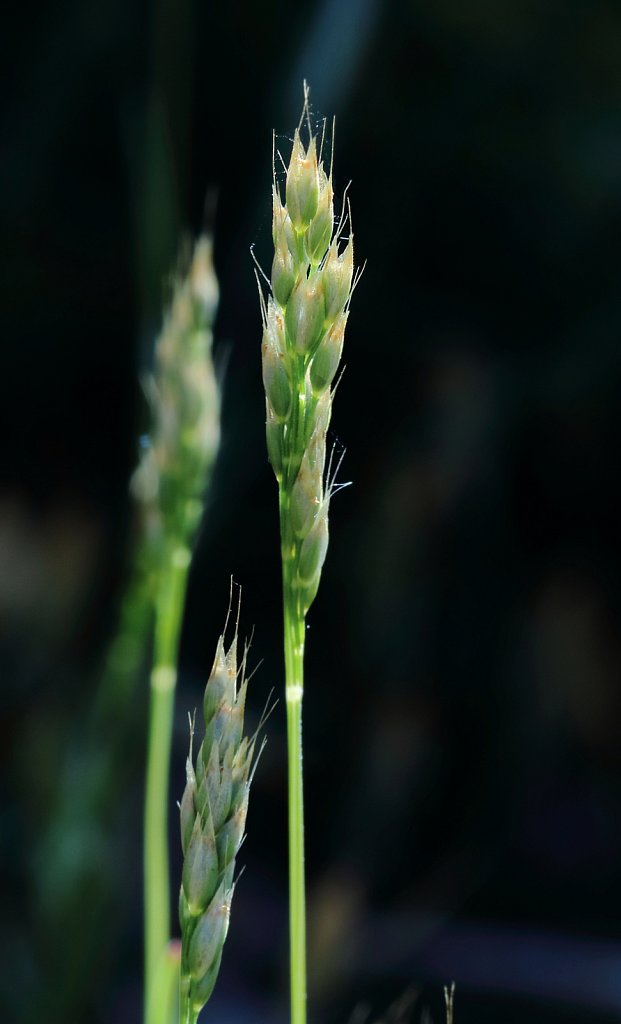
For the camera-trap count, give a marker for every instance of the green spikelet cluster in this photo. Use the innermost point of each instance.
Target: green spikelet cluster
(213, 815)
(184, 396)
(304, 320)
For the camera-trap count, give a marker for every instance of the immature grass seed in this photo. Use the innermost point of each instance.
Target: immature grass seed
(212, 818)
(304, 322)
(184, 395)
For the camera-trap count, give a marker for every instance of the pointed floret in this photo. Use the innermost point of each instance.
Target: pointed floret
(302, 184)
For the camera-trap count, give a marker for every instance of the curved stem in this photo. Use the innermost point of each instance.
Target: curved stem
(168, 615)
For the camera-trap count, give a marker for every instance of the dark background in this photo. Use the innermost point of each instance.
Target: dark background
(462, 708)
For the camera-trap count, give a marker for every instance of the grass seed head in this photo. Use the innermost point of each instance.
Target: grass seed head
(312, 276)
(185, 407)
(216, 794)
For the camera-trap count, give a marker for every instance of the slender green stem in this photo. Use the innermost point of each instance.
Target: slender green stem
(294, 673)
(297, 896)
(164, 1008)
(168, 614)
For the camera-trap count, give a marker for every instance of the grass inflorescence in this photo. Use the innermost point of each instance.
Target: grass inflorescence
(170, 482)
(213, 815)
(304, 317)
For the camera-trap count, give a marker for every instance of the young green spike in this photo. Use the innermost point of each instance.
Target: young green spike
(300, 363)
(220, 803)
(185, 399)
(311, 290)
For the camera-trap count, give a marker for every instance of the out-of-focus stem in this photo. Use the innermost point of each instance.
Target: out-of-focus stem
(168, 616)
